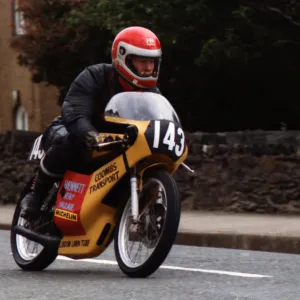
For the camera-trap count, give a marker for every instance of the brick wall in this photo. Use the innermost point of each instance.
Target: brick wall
(38, 100)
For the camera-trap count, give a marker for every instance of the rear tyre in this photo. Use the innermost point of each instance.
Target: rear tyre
(29, 255)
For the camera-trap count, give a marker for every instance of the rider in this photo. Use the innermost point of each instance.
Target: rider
(136, 56)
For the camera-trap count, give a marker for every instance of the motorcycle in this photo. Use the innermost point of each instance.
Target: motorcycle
(125, 192)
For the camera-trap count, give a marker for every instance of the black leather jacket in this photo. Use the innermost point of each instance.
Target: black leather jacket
(84, 104)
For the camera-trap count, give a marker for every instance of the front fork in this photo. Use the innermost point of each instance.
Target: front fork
(134, 196)
(134, 187)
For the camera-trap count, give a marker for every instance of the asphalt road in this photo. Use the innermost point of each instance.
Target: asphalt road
(188, 273)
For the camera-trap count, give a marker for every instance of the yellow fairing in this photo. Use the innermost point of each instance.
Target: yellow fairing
(94, 214)
(140, 148)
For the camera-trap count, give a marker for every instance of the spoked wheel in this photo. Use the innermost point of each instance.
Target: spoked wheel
(29, 255)
(27, 249)
(141, 248)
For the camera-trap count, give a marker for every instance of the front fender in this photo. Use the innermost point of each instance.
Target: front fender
(141, 172)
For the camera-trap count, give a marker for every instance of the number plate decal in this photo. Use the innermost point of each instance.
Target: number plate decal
(166, 137)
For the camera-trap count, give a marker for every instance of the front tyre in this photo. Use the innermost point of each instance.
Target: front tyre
(159, 220)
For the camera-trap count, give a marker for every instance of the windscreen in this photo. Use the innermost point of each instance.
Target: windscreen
(141, 106)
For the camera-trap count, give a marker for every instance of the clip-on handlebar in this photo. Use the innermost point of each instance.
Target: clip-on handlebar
(129, 138)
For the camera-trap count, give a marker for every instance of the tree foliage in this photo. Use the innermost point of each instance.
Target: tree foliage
(226, 65)
(54, 50)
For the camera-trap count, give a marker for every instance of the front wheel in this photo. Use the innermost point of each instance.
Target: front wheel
(141, 248)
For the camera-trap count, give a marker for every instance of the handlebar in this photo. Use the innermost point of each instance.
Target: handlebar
(129, 138)
(112, 144)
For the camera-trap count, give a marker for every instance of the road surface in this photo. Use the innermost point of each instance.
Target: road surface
(188, 273)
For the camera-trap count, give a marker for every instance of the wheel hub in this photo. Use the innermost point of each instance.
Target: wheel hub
(149, 227)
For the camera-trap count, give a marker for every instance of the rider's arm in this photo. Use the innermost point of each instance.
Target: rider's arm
(79, 103)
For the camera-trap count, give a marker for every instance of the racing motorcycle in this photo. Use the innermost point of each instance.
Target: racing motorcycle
(125, 192)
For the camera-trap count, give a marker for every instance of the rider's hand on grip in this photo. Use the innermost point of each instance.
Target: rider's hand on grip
(92, 139)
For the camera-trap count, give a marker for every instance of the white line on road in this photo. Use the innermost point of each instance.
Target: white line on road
(111, 262)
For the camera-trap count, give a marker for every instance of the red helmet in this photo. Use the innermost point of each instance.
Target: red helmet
(136, 41)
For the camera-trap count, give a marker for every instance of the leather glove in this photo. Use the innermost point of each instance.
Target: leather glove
(92, 139)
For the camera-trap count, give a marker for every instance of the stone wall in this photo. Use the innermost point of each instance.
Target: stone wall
(249, 171)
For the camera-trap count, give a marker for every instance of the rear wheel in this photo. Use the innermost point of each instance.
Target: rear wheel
(141, 248)
(29, 255)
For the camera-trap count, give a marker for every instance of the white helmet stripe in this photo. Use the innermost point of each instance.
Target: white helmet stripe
(138, 51)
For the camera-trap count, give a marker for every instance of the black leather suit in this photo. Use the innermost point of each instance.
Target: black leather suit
(82, 111)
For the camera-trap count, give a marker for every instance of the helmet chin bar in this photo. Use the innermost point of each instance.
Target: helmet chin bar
(130, 82)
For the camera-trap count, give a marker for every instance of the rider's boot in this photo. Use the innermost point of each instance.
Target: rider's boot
(33, 201)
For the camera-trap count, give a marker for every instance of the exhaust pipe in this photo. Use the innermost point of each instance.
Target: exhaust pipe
(45, 240)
